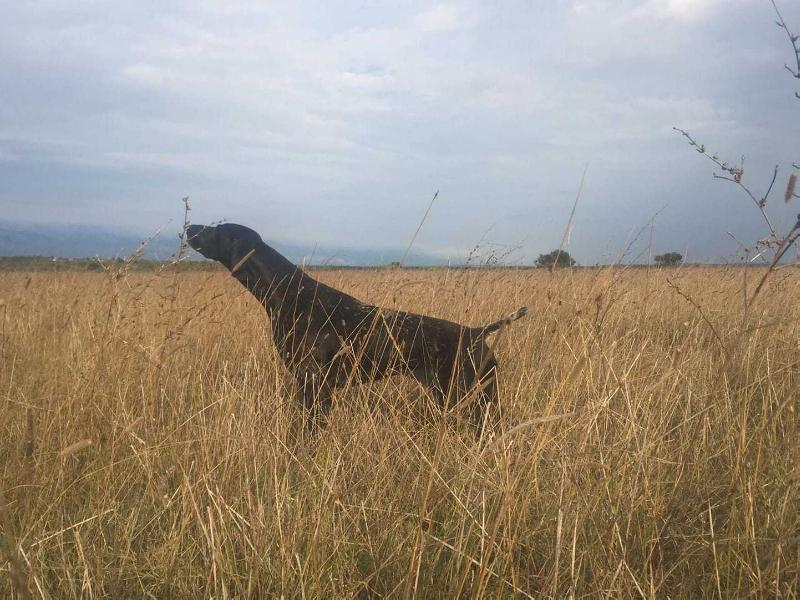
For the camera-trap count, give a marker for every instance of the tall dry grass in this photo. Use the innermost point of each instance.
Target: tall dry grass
(149, 444)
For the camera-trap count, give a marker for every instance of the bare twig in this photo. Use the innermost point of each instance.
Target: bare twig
(793, 40)
(771, 183)
(182, 236)
(735, 175)
(784, 246)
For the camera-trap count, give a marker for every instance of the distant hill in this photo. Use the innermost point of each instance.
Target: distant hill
(86, 241)
(77, 241)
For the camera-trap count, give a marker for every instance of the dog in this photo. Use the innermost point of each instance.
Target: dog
(328, 339)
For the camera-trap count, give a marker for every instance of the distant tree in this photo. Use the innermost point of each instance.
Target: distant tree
(559, 258)
(669, 259)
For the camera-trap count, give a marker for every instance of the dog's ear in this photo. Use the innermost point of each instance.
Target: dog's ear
(240, 247)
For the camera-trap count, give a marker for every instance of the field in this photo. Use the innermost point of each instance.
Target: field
(150, 445)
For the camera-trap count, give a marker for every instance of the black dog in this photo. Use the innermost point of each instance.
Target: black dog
(328, 339)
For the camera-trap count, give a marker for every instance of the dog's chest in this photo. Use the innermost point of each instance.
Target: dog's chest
(302, 336)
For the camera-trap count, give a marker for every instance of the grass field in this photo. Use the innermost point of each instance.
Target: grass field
(149, 443)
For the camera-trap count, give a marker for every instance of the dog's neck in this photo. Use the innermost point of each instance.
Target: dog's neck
(271, 277)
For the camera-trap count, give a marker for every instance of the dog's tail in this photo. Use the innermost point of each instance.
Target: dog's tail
(492, 327)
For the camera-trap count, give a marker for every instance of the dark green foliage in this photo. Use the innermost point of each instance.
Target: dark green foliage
(559, 258)
(669, 259)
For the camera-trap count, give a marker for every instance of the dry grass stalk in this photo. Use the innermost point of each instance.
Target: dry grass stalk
(790, 188)
(16, 572)
(634, 451)
(568, 228)
(76, 447)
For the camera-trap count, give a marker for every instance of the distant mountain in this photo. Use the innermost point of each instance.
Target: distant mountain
(86, 241)
(77, 241)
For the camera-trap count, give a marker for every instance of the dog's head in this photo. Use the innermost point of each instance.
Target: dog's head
(228, 243)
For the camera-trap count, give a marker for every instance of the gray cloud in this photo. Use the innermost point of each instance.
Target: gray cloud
(334, 123)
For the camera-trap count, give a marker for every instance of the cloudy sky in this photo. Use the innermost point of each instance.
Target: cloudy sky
(327, 123)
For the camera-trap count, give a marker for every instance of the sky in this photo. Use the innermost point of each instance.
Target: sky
(333, 123)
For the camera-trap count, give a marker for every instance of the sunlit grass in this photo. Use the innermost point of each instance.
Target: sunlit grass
(150, 443)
